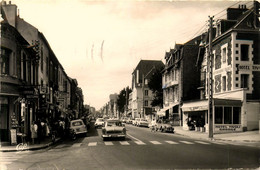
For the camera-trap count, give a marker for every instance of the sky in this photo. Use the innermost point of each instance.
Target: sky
(101, 42)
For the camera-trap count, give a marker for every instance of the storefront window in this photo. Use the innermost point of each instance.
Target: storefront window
(218, 115)
(227, 115)
(236, 115)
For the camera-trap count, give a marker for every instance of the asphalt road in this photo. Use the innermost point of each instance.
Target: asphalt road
(142, 149)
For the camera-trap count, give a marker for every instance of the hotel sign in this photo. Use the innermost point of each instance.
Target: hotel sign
(228, 128)
(248, 67)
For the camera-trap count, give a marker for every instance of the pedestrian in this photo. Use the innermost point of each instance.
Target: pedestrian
(34, 129)
(39, 131)
(153, 124)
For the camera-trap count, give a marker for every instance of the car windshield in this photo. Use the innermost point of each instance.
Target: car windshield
(100, 120)
(114, 123)
(78, 123)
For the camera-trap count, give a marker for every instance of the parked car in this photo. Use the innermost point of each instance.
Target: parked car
(165, 126)
(113, 129)
(135, 121)
(99, 122)
(76, 128)
(129, 120)
(142, 122)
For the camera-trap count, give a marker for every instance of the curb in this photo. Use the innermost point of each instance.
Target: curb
(218, 139)
(31, 148)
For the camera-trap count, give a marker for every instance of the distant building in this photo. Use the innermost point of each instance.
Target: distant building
(112, 105)
(141, 94)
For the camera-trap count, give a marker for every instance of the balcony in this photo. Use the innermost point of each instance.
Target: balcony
(170, 83)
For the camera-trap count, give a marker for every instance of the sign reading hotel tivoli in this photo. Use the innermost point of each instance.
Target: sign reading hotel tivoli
(245, 67)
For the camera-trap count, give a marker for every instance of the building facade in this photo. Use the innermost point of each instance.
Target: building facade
(236, 76)
(180, 79)
(34, 85)
(142, 96)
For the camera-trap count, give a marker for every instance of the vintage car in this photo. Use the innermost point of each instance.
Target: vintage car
(165, 126)
(113, 129)
(76, 128)
(142, 122)
(99, 122)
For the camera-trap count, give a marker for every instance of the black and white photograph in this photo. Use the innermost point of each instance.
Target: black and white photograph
(129, 84)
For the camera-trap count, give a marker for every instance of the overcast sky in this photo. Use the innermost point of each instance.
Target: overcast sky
(129, 31)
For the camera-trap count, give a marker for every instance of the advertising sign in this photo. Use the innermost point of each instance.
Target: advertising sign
(227, 128)
(13, 136)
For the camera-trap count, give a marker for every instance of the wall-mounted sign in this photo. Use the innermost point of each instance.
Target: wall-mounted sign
(245, 67)
(228, 128)
(13, 136)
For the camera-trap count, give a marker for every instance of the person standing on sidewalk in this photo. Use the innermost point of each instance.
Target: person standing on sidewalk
(39, 131)
(34, 129)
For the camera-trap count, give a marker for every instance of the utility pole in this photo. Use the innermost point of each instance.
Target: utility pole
(210, 79)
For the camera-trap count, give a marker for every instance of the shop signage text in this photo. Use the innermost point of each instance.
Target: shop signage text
(249, 67)
(228, 128)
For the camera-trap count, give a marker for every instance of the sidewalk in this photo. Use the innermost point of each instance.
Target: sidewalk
(44, 144)
(248, 136)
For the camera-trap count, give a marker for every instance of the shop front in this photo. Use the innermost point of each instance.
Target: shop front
(171, 113)
(227, 116)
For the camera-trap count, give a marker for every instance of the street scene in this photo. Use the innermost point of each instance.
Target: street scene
(129, 85)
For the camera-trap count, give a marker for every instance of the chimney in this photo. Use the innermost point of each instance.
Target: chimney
(10, 11)
(235, 13)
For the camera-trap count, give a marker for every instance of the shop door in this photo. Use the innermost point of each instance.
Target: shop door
(4, 131)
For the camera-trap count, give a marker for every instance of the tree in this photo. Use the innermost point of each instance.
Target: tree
(155, 84)
(123, 98)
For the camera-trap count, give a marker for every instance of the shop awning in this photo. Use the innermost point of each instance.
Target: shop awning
(163, 110)
(195, 106)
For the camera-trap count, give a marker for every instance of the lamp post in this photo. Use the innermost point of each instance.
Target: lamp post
(210, 80)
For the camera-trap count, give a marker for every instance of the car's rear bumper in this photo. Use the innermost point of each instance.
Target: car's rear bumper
(114, 136)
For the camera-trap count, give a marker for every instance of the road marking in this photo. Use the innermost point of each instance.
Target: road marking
(108, 143)
(139, 143)
(124, 143)
(171, 142)
(92, 144)
(61, 146)
(186, 142)
(201, 142)
(219, 143)
(76, 145)
(133, 137)
(155, 142)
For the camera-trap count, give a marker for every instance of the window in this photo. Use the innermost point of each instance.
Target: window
(244, 80)
(146, 103)
(224, 82)
(236, 115)
(41, 59)
(218, 115)
(227, 115)
(24, 66)
(244, 52)
(224, 54)
(146, 92)
(4, 61)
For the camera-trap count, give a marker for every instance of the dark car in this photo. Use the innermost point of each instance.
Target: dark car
(165, 126)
